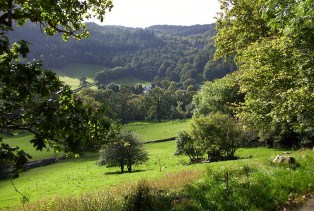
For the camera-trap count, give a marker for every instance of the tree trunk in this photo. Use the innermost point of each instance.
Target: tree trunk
(122, 168)
(129, 168)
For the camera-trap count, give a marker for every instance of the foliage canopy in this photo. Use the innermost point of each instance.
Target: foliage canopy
(273, 44)
(35, 100)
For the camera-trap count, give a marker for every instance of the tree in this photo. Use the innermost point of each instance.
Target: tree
(114, 87)
(217, 69)
(83, 81)
(125, 149)
(218, 135)
(119, 103)
(221, 95)
(186, 145)
(62, 16)
(273, 43)
(35, 100)
(153, 100)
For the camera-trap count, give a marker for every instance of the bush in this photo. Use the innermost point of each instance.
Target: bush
(187, 146)
(219, 135)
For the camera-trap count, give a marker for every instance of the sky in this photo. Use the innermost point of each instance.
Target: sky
(145, 13)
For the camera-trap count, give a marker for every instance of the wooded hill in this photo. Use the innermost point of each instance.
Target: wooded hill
(178, 53)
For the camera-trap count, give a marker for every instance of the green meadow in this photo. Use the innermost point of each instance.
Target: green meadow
(71, 73)
(72, 184)
(73, 177)
(149, 131)
(22, 141)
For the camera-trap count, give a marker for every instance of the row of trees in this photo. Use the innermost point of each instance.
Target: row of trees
(123, 104)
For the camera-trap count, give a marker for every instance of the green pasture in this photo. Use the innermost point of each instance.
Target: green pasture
(74, 83)
(22, 141)
(76, 176)
(80, 70)
(146, 131)
(131, 80)
(149, 131)
(79, 175)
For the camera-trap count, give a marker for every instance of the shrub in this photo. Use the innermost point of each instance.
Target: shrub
(219, 135)
(187, 146)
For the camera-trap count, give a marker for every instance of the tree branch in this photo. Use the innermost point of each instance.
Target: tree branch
(24, 198)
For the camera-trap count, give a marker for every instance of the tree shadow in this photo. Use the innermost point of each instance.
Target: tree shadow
(126, 172)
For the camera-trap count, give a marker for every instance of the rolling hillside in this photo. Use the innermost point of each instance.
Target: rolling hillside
(177, 53)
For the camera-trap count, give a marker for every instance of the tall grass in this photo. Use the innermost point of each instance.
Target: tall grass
(142, 195)
(268, 187)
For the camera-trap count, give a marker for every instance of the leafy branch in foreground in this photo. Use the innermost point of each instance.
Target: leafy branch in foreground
(34, 100)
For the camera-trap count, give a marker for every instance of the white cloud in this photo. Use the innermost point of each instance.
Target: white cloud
(144, 13)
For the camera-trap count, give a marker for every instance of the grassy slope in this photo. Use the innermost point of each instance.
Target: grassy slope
(150, 131)
(77, 176)
(81, 175)
(23, 142)
(89, 71)
(147, 131)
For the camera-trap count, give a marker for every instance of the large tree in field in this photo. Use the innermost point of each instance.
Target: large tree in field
(124, 150)
(35, 100)
(273, 46)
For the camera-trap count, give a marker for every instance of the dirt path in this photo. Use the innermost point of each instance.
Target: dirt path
(308, 206)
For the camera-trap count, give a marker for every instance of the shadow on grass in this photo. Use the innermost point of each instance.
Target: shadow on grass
(126, 172)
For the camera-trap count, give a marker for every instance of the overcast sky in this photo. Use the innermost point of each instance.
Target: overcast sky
(144, 13)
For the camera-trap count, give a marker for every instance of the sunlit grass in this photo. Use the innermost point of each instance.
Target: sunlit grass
(74, 83)
(75, 180)
(80, 70)
(74, 177)
(67, 73)
(150, 131)
(22, 141)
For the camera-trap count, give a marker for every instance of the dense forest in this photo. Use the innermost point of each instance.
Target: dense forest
(178, 53)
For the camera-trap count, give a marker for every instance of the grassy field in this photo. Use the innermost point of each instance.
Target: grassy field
(80, 70)
(73, 177)
(76, 176)
(55, 184)
(89, 71)
(22, 141)
(149, 131)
